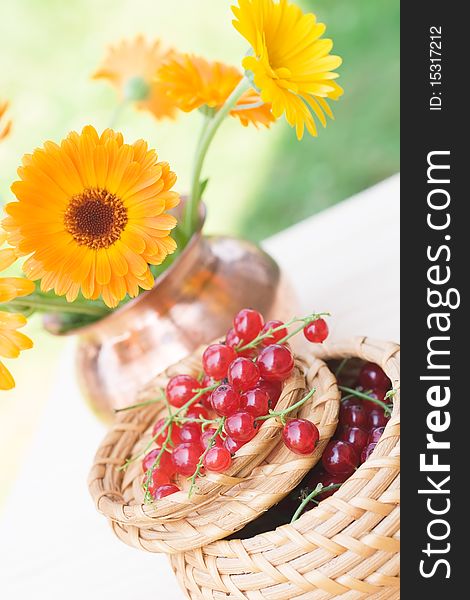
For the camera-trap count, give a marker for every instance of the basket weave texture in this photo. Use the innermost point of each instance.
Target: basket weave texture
(347, 547)
(263, 471)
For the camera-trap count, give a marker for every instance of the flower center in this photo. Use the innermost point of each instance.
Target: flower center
(95, 218)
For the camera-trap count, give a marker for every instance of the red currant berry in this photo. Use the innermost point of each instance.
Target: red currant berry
(300, 436)
(377, 418)
(326, 479)
(232, 445)
(276, 336)
(378, 395)
(159, 478)
(165, 490)
(186, 457)
(367, 452)
(316, 331)
(225, 400)
(247, 324)
(197, 412)
(255, 401)
(180, 389)
(217, 459)
(165, 463)
(240, 426)
(190, 432)
(356, 436)
(207, 436)
(243, 374)
(205, 399)
(353, 415)
(375, 435)
(275, 363)
(272, 388)
(372, 377)
(340, 458)
(161, 437)
(216, 359)
(233, 341)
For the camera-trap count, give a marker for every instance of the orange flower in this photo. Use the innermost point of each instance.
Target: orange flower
(5, 128)
(191, 82)
(91, 215)
(130, 67)
(12, 342)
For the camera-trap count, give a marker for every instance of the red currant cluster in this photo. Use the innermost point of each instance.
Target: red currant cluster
(213, 416)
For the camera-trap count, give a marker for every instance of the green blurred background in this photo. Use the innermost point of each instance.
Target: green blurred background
(260, 181)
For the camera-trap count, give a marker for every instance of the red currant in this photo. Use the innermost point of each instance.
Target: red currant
(190, 432)
(243, 374)
(372, 377)
(225, 400)
(367, 452)
(161, 437)
(206, 437)
(205, 399)
(186, 457)
(165, 463)
(316, 331)
(276, 336)
(180, 389)
(340, 458)
(355, 436)
(375, 435)
(216, 359)
(378, 395)
(300, 436)
(272, 388)
(326, 479)
(197, 412)
(275, 363)
(159, 478)
(240, 426)
(233, 341)
(377, 418)
(232, 445)
(353, 415)
(247, 324)
(165, 490)
(255, 401)
(217, 459)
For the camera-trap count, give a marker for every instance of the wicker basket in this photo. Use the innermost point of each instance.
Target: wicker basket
(347, 547)
(263, 471)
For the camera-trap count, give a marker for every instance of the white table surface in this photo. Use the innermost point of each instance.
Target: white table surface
(53, 544)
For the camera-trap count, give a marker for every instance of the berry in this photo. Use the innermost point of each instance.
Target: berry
(205, 399)
(353, 415)
(159, 478)
(190, 432)
(275, 362)
(240, 426)
(165, 490)
(180, 389)
(216, 359)
(207, 435)
(340, 458)
(272, 388)
(276, 336)
(356, 436)
(367, 452)
(378, 395)
(316, 331)
(161, 437)
(243, 374)
(225, 400)
(217, 459)
(375, 435)
(300, 436)
(165, 463)
(186, 457)
(326, 479)
(377, 418)
(232, 445)
(233, 341)
(372, 377)
(247, 324)
(255, 401)
(197, 412)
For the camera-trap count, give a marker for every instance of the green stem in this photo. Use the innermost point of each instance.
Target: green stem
(310, 498)
(200, 463)
(281, 413)
(191, 212)
(57, 304)
(365, 396)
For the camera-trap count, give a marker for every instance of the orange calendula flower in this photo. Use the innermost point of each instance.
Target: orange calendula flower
(90, 213)
(291, 64)
(12, 342)
(131, 66)
(191, 82)
(5, 126)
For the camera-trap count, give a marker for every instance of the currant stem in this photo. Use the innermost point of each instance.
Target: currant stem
(310, 498)
(281, 413)
(364, 396)
(210, 444)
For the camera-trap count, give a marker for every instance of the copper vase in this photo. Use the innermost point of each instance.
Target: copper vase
(193, 302)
